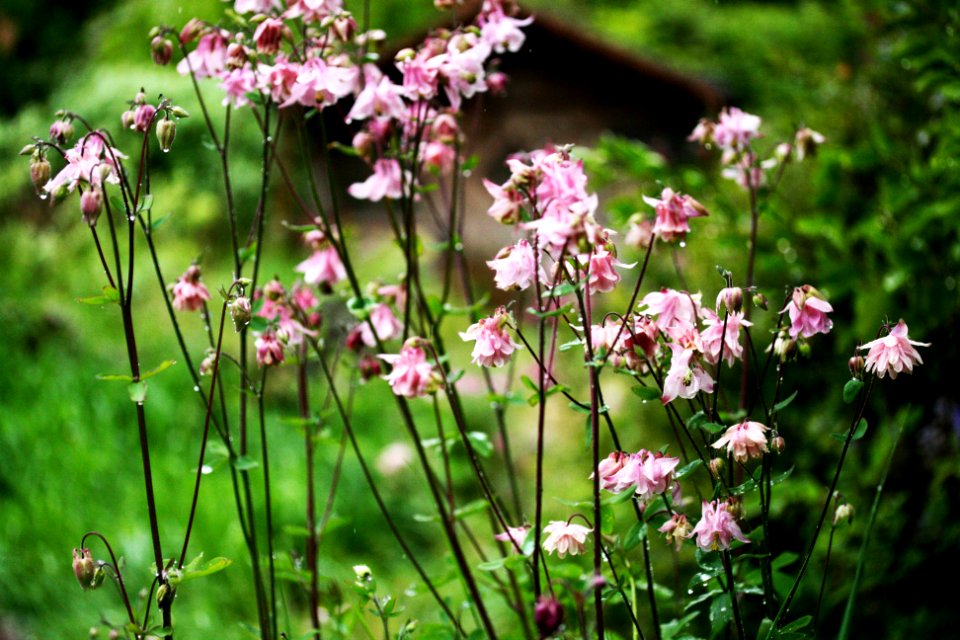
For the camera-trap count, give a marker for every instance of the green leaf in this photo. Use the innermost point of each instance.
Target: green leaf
(559, 291)
(162, 632)
(712, 428)
(137, 391)
(146, 203)
(709, 562)
(493, 565)
(109, 295)
(550, 314)
(669, 630)
(780, 478)
(721, 613)
(159, 221)
(851, 389)
(481, 443)
(646, 393)
(115, 377)
(163, 366)
(797, 624)
(777, 408)
(687, 469)
(858, 433)
(607, 519)
(198, 569)
(696, 420)
(299, 228)
(475, 506)
(635, 535)
(246, 253)
(245, 463)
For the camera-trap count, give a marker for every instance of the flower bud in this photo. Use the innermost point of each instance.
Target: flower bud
(731, 298)
(856, 366)
(206, 365)
(126, 119)
(30, 149)
(166, 132)
(355, 339)
(61, 131)
(190, 31)
(84, 568)
(236, 56)
(143, 117)
(735, 507)
(161, 50)
(716, 467)
(94, 632)
(497, 83)
(369, 367)
(778, 444)
(241, 312)
(548, 615)
(784, 347)
(39, 172)
(91, 203)
(844, 513)
(165, 595)
(113, 635)
(760, 301)
(179, 112)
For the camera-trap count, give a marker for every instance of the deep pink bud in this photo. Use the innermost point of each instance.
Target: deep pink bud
(497, 83)
(190, 31)
(369, 367)
(268, 35)
(548, 615)
(161, 50)
(143, 117)
(91, 203)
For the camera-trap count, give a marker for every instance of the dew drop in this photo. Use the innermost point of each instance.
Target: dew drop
(196, 388)
(166, 150)
(206, 469)
(689, 592)
(683, 245)
(43, 196)
(206, 327)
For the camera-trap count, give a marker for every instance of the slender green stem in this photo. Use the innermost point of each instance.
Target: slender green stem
(732, 584)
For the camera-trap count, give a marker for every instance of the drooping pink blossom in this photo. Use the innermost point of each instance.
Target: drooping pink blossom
(323, 267)
(493, 344)
(609, 467)
(268, 35)
(88, 161)
(386, 182)
(515, 536)
(744, 441)
(189, 293)
(412, 375)
(717, 527)
(236, 84)
(209, 58)
(670, 305)
(603, 276)
(320, 84)
(462, 68)
(673, 212)
(564, 537)
(716, 332)
(649, 473)
(808, 312)
(507, 202)
(686, 377)
(385, 324)
(312, 10)
(735, 128)
(380, 98)
(894, 353)
(676, 529)
(516, 267)
(500, 31)
(269, 349)
(252, 6)
(143, 117)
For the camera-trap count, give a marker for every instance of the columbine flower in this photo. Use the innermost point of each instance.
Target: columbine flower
(603, 276)
(565, 538)
(268, 35)
(515, 536)
(673, 211)
(717, 527)
(386, 182)
(412, 375)
(269, 349)
(676, 529)
(808, 312)
(735, 128)
(893, 353)
(648, 472)
(493, 344)
(609, 467)
(743, 441)
(686, 377)
(716, 332)
(385, 324)
(189, 293)
(670, 305)
(515, 266)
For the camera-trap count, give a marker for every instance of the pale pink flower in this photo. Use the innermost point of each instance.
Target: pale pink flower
(313, 10)
(501, 31)
(806, 142)
(603, 276)
(493, 344)
(609, 467)
(322, 267)
(252, 6)
(715, 332)
(412, 376)
(808, 312)
(420, 73)
(565, 538)
(735, 128)
(269, 349)
(507, 201)
(438, 156)
(380, 98)
(189, 293)
(703, 132)
(88, 161)
(463, 68)
(744, 441)
(676, 529)
(686, 377)
(236, 84)
(673, 211)
(649, 473)
(61, 131)
(320, 84)
(717, 527)
(278, 79)
(386, 182)
(394, 458)
(516, 267)
(515, 536)
(893, 353)
(669, 305)
(746, 172)
(209, 58)
(385, 324)
(640, 233)
(268, 35)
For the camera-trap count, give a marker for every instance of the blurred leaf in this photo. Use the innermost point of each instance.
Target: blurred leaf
(646, 393)
(851, 389)
(137, 391)
(780, 406)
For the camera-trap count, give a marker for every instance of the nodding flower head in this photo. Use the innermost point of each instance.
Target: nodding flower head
(894, 353)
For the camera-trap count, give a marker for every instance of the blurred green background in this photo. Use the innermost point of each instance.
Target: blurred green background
(873, 222)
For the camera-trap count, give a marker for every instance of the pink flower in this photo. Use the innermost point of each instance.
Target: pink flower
(322, 267)
(268, 35)
(412, 375)
(189, 293)
(670, 305)
(501, 31)
(745, 170)
(143, 117)
(384, 323)
(647, 472)
(673, 211)
(639, 233)
(717, 527)
(516, 267)
(603, 277)
(735, 128)
(252, 6)
(686, 377)
(462, 67)
(313, 10)
(744, 441)
(676, 529)
(236, 84)
(808, 312)
(893, 353)
(565, 538)
(386, 182)
(507, 201)
(380, 98)
(609, 467)
(269, 349)
(493, 344)
(515, 536)
(320, 84)
(209, 58)
(711, 336)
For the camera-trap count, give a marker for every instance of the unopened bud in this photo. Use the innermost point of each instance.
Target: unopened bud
(548, 615)
(803, 348)
(844, 513)
(716, 467)
(161, 50)
(140, 97)
(143, 117)
(39, 172)
(355, 339)
(735, 507)
(166, 132)
(28, 150)
(91, 203)
(165, 595)
(369, 367)
(61, 131)
(94, 632)
(784, 347)
(84, 568)
(760, 301)
(179, 112)
(731, 298)
(363, 573)
(126, 119)
(190, 31)
(778, 444)
(206, 365)
(856, 366)
(113, 635)
(236, 56)
(497, 83)
(241, 312)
